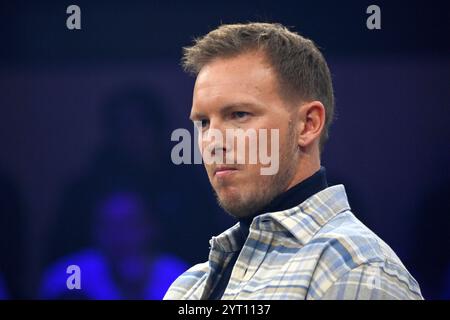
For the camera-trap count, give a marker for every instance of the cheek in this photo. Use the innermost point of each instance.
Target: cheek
(252, 175)
(201, 144)
(209, 170)
(288, 136)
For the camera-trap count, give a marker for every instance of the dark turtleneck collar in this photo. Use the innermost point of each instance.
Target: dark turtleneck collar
(290, 198)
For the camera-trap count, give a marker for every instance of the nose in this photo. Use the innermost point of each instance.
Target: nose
(213, 140)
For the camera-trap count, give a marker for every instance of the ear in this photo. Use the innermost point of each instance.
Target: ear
(311, 117)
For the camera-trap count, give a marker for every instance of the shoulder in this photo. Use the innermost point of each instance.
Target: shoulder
(372, 281)
(187, 281)
(350, 251)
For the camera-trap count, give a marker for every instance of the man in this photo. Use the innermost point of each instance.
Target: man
(296, 237)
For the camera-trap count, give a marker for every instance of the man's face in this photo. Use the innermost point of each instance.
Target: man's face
(242, 92)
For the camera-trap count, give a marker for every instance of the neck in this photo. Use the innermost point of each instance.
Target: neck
(307, 165)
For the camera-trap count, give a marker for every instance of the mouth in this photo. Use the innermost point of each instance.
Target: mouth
(222, 171)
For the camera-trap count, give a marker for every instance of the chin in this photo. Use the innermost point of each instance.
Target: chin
(231, 203)
(229, 196)
(236, 207)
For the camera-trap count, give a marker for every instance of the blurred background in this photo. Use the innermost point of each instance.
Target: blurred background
(86, 117)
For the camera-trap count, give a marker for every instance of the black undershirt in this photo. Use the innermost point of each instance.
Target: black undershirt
(288, 199)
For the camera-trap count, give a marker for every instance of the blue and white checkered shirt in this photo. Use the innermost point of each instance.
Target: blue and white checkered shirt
(316, 250)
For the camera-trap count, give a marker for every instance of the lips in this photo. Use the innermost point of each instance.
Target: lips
(224, 170)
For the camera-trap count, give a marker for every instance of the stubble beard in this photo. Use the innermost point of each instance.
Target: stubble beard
(266, 188)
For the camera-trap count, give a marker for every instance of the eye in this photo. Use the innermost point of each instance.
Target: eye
(240, 115)
(204, 123)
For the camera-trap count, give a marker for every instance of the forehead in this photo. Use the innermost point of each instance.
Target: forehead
(248, 76)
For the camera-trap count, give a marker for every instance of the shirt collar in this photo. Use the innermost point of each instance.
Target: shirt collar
(290, 198)
(302, 221)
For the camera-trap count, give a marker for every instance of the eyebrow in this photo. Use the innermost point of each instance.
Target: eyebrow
(198, 115)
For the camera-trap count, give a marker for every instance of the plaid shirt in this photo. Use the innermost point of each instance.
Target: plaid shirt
(316, 250)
